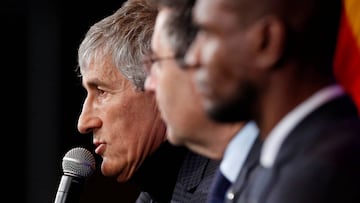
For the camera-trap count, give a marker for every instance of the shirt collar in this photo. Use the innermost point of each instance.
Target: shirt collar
(276, 137)
(237, 151)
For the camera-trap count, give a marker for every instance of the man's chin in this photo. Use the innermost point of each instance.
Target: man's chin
(223, 113)
(109, 171)
(212, 109)
(173, 138)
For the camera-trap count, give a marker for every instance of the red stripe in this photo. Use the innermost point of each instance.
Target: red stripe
(347, 61)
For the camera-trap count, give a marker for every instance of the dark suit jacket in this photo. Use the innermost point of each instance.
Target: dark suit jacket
(157, 175)
(188, 181)
(194, 179)
(319, 162)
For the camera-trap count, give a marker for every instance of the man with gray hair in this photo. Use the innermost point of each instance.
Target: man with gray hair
(128, 132)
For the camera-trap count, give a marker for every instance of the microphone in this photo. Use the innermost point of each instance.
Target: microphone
(78, 164)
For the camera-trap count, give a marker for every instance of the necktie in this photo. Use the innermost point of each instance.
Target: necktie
(218, 188)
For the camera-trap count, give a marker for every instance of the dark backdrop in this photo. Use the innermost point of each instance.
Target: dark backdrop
(42, 97)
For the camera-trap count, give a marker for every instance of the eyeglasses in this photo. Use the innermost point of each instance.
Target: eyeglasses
(151, 59)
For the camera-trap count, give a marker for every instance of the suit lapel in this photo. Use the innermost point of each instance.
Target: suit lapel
(305, 135)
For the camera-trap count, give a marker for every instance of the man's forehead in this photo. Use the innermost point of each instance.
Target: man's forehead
(159, 38)
(205, 9)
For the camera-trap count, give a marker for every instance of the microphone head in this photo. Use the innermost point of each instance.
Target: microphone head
(78, 162)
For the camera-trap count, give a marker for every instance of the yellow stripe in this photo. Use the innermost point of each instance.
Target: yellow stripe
(352, 8)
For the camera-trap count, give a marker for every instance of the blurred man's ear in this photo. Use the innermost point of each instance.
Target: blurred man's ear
(268, 35)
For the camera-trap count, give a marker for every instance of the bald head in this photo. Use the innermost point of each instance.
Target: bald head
(311, 25)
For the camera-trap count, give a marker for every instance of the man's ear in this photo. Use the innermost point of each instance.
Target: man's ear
(269, 37)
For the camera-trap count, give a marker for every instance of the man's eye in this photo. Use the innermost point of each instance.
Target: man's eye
(100, 91)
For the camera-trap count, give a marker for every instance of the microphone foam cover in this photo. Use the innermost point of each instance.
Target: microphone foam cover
(78, 162)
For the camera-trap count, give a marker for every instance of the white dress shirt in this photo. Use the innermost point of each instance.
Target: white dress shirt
(237, 151)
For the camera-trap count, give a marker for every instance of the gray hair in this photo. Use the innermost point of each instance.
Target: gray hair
(125, 36)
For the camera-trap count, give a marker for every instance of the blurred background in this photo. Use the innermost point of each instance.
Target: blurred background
(42, 97)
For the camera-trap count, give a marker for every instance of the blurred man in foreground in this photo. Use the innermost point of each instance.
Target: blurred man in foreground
(271, 61)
